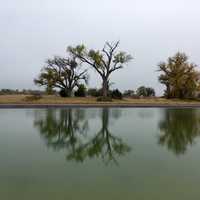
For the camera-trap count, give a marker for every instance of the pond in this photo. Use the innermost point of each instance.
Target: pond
(100, 153)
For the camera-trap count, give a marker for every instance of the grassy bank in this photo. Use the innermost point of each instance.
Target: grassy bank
(24, 99)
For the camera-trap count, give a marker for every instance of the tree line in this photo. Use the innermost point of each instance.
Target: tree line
(180, 77)
(21, 92)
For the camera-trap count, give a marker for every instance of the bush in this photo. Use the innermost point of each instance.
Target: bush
(116, 94)
(81, 91)
(129, 93)
(94, 92)
(63, 93)
(108, 99)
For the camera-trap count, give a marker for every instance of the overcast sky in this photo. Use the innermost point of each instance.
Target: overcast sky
(151, 30)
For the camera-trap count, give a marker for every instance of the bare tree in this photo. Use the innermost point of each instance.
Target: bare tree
(105, 62)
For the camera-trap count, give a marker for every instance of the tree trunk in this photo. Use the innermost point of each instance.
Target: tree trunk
(168, 92)
(105, 87)
(68, 92)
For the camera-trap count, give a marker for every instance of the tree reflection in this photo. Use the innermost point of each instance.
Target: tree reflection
(66, 129)
(104, 144)
(61, 128)
(179, 128)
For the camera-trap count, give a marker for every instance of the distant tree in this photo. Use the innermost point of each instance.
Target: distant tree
(179, 76)
(105, 62)
(116, 94)
(62, 73)
(141, 91)
(129, 93)
(150, 92)
(145, 91)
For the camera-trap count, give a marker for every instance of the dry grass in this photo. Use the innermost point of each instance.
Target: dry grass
(22, 99)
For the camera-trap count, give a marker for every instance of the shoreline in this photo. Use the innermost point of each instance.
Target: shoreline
(50, 101)
(102, 105)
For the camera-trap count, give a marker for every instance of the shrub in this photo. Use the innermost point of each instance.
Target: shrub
(63, 93)
(116, 94)
(94, 92)
(129, 93)
(81, 91)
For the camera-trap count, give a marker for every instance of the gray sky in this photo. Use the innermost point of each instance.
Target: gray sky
(151, 30)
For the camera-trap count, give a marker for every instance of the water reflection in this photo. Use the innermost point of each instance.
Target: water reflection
(179, 128)
(61, 128)
(67, 129)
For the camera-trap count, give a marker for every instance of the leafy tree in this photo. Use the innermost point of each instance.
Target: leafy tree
(105, 62)
(145, 91)
(179, 76)
(62, 73)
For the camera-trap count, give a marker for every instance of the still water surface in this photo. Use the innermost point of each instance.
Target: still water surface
(100, 153)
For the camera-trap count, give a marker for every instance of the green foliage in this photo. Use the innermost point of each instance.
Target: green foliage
(145, 91)
(81, 91)
(179, 76)
(116, 94)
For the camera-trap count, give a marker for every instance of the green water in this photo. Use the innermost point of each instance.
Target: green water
(100, 154)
